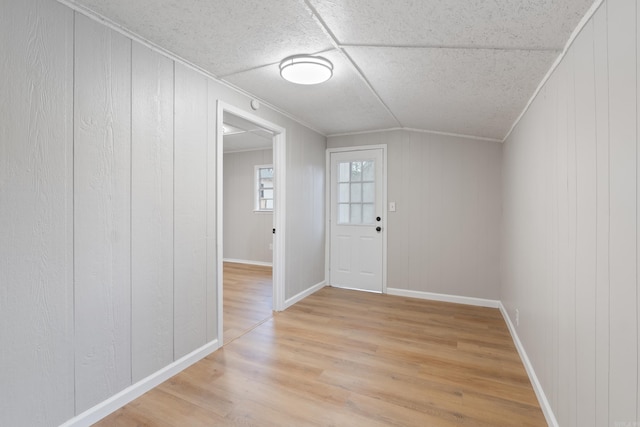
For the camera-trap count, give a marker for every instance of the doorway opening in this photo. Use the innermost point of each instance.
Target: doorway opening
(250, 220)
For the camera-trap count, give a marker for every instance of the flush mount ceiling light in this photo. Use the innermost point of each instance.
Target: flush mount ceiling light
(306, 69)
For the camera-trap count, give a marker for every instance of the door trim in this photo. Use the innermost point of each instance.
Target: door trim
(327, 254)
(279, 214)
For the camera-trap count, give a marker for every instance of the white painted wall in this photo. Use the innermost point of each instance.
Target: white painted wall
(107, 211)
(36, 214)
(570, 254)
(444, 236)
(247, 234)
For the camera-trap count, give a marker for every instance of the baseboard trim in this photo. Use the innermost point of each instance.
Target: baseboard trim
(481, 302)
(537, 387)
(115, 402)
(244, 261)
(302, 295)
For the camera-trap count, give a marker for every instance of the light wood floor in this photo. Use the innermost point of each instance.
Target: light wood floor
(247, 294)
(348, 358)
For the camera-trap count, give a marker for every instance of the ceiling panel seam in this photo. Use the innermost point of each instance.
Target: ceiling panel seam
(408, 129)
(452, 47)
(174, 57)
(334, 41)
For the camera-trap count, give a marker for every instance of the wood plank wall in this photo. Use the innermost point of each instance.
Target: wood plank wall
(570, 214)
(108, 210)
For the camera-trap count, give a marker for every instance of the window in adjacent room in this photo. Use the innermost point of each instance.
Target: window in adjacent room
(264, 188)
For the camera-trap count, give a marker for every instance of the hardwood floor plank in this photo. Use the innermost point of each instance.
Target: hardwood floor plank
(342, 357)
(247, 294)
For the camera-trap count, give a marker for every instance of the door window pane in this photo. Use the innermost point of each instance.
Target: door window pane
(356, 214)
(343, 213)
(343, 193)
(368, 213)
(368, 192)
(368, 171)
(356, 171)
(356, 192)
(344, 172)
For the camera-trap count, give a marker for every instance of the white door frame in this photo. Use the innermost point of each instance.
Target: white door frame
(327, 255)
(279, 171)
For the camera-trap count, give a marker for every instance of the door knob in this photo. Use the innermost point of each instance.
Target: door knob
(378, 229)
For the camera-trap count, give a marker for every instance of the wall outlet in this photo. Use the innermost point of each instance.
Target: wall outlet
(517, 317)
(270, 246)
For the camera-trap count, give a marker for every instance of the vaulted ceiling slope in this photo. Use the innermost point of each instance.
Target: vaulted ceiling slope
(456, 66)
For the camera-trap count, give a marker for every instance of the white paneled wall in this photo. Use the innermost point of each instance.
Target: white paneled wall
(444, 236)
(190, 210)
(247, 234)
(36, 213)
(570, 254)
(151, 212)
(107, 211)
(102, 212)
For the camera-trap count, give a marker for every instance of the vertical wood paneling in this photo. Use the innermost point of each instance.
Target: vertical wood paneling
(190, 211)
(102, 195)
(151, 212)
(552, 120)
(623, 363)
(592, 97)
(602, 213)
(637, 21)
(36, 236)
(586, 208)
(212, 288)
(565, 298)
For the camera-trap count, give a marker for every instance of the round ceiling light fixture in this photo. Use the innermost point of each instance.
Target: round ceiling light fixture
(306, 69)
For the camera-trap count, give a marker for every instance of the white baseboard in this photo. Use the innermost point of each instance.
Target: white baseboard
(294, 299)
(101, 410)
(244, 261)
(444, 297)
(537, 387)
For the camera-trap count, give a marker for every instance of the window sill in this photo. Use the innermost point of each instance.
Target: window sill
(262, 212)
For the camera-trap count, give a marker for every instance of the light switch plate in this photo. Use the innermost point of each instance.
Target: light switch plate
(392, 206)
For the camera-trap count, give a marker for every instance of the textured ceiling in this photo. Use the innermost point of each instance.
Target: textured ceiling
(244, 135)
(457, 66)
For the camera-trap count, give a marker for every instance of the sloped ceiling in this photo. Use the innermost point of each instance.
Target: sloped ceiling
(456, 66)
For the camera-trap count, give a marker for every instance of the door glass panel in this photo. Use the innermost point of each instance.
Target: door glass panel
(356, 214)
(343, 193)
(343, 213)
(356, 171)
(368, 170)
(344, 172)
(368, 192)
(368, 213)
(356, 192)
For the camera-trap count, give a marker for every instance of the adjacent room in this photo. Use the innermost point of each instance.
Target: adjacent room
(313, 212)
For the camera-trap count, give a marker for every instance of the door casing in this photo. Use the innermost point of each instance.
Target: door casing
(279, 214)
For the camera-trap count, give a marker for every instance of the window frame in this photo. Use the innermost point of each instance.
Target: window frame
(256, 189)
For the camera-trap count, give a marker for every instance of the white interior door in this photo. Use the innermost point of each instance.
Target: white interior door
(356, 220)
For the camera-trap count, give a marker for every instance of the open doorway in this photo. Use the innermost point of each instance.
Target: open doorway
(250, 226)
